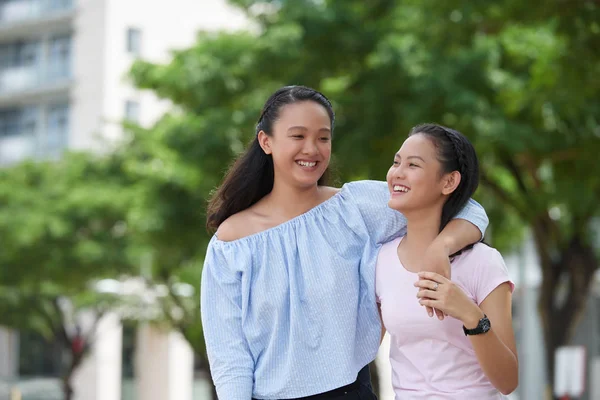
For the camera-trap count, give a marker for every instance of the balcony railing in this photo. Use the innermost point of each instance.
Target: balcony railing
(18, 79)
(23, 10)
(17, 148)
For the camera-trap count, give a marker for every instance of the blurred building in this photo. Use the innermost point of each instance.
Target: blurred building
(63, 66)
(63, 85)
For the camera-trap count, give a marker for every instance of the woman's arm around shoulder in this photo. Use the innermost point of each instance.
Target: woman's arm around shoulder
(474, 213)
(384, 223)
(371, 200)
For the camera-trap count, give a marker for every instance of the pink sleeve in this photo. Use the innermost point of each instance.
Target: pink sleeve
(490, 273)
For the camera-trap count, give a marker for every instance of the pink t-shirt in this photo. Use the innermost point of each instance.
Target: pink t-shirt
(433, 359)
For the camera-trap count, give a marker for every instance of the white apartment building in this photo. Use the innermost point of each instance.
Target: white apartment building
(63, 85)
(63, 66)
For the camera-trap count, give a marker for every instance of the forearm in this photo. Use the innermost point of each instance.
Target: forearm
(457, 234)
(498, 362)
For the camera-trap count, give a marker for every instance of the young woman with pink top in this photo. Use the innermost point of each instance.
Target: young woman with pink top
(472, 353)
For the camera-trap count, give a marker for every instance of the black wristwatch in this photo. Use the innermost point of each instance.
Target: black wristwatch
(483, 326)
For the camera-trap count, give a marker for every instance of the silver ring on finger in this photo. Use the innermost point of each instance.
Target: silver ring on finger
(435, 286)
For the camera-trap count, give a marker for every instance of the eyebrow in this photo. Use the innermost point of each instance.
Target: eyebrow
(303, 128)
(409, 157)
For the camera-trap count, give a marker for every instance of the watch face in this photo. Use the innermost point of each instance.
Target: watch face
(485, 325)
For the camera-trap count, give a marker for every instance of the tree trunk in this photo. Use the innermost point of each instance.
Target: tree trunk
(67, 388)
(76, 359)
(564, 293)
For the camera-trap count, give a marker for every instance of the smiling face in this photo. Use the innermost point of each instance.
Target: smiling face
(415, 179)
(300, 144)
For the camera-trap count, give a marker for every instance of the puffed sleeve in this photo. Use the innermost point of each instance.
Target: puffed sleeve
(230, 360)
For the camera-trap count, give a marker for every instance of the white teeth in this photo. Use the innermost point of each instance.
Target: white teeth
(398, 188)
(307, 164)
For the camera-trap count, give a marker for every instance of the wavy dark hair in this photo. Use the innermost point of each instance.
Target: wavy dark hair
(455, 153)
(251, 176)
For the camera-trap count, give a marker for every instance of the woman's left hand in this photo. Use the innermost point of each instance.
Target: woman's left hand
(443, 294)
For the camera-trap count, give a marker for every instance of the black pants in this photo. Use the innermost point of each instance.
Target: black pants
(360, 389)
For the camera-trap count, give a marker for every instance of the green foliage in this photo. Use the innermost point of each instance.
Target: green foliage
(507, 74)
(62, 222)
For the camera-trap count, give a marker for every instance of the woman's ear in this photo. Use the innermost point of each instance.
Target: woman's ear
(265, 142)
(451, 182)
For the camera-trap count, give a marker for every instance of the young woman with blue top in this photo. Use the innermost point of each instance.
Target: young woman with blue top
(287, 295)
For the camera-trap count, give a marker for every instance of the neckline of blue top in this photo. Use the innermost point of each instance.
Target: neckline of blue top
(282, 225)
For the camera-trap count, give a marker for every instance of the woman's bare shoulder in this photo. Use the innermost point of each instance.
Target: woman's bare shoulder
(237, 226)
(257, 218)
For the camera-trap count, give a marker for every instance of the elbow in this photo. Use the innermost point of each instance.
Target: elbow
(509, 386)
(507, 391)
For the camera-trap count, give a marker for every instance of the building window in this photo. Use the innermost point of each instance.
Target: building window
(57, 121)
(134, 41)
(19, 54)
(10, 122)
(18, 134)
(59, 4)
(132, 111)
(18, 121)
(59, 56)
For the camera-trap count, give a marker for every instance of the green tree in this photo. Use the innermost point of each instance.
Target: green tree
(519, 78)
(62, 226)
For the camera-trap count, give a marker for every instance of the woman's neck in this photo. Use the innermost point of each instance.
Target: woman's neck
(289, 201)
(422, 228)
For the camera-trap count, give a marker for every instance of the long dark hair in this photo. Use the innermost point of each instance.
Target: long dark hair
(455, 153)
(251, 176)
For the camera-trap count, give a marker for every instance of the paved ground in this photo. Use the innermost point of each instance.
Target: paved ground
(49, 389)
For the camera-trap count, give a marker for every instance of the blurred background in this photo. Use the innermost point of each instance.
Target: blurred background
(118, 118)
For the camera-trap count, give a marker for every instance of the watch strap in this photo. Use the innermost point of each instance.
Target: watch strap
(483, 326)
